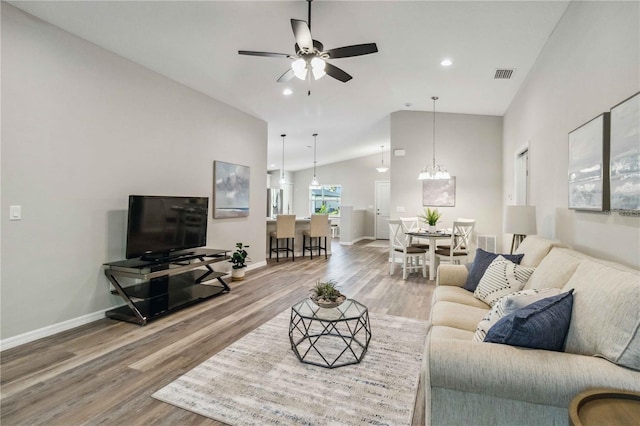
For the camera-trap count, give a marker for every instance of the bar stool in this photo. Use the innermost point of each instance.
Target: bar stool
(285, 229)
(318, 228)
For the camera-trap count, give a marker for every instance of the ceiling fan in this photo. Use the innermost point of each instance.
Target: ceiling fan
(311, 58)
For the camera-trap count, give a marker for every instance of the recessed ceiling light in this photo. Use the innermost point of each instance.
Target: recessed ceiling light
(273, 165)
(287, 92)
(446, 62)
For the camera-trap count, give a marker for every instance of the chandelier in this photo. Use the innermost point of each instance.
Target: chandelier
(433, 171)
(382, 167)
(314, 182)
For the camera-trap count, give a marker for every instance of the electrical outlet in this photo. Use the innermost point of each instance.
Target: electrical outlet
(400, 209)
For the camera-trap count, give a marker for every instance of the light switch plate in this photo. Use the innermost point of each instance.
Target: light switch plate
(399, 152)
(15, 212)
(400, 209)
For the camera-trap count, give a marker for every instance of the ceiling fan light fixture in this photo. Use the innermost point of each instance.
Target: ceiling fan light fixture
(317, 67)
(299, 67)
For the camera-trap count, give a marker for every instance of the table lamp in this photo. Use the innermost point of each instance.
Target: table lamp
(519, 221)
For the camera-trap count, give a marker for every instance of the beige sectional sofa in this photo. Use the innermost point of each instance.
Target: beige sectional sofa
(478, 383)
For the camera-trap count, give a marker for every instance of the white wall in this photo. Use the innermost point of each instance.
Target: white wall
(82, 128)
(470, 148)
(590, 63)
(357, 177)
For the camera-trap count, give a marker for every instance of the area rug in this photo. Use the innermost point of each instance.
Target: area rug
(259, 381)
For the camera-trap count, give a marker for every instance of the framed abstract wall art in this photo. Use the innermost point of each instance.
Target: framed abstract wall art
(589, 165)
(230, 190)
(625, 155)
(439, 192)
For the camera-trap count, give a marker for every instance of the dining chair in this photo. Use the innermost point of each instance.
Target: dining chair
(318, 228)
(413, 258)
(412, 224)
(458, 249)
(285, 229)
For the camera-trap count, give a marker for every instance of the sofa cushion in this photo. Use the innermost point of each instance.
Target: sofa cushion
(606, 320)
(457, 315)
(509, 304)
(457, 295)
(444, 332)
(534, 249)
(541, 325)
(555, 269)
(501, 278)
(481, 262)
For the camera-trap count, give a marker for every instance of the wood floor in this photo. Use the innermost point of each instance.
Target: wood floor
(105, 372)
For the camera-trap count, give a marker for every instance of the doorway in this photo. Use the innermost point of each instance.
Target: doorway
(383, 192)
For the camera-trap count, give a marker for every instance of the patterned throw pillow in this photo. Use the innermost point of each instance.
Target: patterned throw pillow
(481, 262)
(541, 325)
(501, 278)
(508, 304)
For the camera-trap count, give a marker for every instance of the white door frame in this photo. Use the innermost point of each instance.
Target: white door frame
(375, 193)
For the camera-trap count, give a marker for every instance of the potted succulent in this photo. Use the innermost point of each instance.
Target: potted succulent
(239, 259)
(326, 294)
(431, 218)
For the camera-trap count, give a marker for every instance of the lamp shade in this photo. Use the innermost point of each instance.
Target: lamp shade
(520, 220)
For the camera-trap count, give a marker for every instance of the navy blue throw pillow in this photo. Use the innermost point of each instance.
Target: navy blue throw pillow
(541, 325)
(480, 264)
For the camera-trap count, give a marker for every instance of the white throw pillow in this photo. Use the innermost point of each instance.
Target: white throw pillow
(501, 278)
(508, 304)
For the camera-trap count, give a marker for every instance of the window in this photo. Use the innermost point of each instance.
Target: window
(325, 199)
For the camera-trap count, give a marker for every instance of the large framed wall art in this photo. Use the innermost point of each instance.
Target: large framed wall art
(589, 165)
(625, 155)
(439, 192)
(230, 190)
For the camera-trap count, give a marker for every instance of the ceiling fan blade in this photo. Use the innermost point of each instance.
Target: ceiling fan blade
(288, 75)
(268, 54)
(336, 73)
(355, 50)
(302, 33)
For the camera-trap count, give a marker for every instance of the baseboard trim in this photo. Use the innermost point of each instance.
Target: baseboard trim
(50, 330)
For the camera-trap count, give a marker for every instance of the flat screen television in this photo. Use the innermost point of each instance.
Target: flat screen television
(157, 226)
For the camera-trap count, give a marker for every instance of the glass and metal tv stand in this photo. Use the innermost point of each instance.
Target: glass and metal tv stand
(155, 288)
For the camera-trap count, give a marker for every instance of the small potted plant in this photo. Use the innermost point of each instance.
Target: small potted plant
(431, 218)
(239, 259)
(326, 294)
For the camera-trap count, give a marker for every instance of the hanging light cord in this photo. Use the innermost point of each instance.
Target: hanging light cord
(315, 135)
(434, 131)
(282, 174)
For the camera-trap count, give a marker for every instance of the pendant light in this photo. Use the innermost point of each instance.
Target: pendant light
(434, 172)
(282, 179)
(382, 168)
(314, 182)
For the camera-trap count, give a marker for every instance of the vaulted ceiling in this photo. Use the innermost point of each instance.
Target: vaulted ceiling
(196, 43)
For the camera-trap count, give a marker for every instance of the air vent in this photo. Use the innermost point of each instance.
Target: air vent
(504, 73)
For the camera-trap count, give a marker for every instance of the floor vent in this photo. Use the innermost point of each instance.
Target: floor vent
(487, 243)
(504, 73)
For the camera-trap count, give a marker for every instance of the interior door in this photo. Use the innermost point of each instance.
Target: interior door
(383, 191)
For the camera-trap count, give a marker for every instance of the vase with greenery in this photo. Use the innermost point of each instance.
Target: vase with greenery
(326, 294)
(431, 218)
(239, 260)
